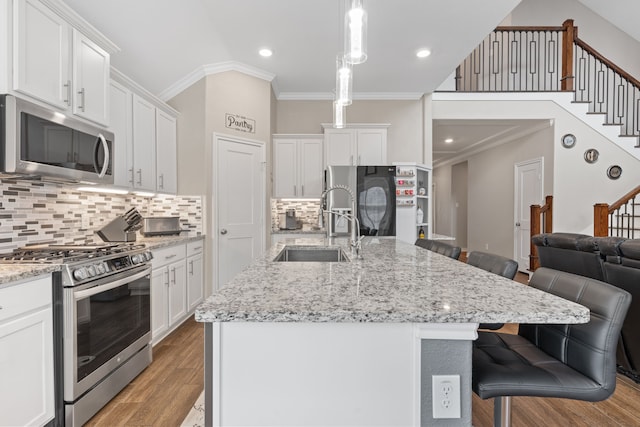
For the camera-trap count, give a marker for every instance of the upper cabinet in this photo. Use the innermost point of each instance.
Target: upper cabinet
(145, 138)
(356, 145)
(297, 166)
(55, 63)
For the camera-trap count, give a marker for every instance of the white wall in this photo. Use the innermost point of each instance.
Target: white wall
(575, 185)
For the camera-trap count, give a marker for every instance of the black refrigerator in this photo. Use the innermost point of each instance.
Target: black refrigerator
(375, 191)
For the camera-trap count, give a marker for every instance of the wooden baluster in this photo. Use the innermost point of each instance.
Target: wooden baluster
(569, 34)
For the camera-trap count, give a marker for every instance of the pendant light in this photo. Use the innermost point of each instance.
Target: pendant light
(338, 115)
(344, 80)
(355, 33)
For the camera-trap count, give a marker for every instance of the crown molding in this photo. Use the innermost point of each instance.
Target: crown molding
(357, 96)
(211, 69)
(126, 81)
(79, 23)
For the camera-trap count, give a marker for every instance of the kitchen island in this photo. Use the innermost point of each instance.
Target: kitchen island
(354, 343)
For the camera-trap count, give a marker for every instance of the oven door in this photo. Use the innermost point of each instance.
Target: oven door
(105, 323)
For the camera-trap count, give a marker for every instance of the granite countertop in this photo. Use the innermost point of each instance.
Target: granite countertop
(394, 282)
(157, 242)
(306, 229)
(15, 272)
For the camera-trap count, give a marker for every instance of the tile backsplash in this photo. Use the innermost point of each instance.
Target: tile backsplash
(306, 210)
(33, 211)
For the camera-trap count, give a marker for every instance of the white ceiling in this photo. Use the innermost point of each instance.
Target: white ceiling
(162, 41)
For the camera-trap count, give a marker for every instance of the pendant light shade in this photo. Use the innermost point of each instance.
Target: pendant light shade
(344, 80)
(338, 115)
(355, 33)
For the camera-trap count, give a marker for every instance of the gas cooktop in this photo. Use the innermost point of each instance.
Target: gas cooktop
(62, 254)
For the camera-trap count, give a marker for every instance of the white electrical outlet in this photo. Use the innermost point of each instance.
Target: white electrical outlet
(446, 396)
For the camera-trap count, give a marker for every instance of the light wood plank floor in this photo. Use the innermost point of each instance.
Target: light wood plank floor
(164, 393)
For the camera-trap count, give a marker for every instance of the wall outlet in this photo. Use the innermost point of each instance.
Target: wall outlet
(446, 396)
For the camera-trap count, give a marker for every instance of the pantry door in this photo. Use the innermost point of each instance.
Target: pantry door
(239, 204)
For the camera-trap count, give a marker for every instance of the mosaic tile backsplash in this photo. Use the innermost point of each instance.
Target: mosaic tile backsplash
(306, 210)
(33, 211)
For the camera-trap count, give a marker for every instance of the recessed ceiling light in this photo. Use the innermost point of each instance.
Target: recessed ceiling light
(423, 53)
(265, 52)
(448, 140)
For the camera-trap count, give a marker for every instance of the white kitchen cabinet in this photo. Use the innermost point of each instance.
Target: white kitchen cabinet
(26, 353)
(57, 64)
(121, 126)
(298, 166)
(168, 290)
(357, 145)
(195, 275)
(144, 144)
(166, 153)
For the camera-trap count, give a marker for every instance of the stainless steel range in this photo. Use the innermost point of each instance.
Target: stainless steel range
(102, 321)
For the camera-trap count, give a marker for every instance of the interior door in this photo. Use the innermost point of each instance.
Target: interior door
(240, 205)
(528, 191)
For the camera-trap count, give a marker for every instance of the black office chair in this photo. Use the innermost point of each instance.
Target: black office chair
(566, 361)
(439, 247)
(502, 266)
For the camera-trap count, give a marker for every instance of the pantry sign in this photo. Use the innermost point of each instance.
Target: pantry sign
(241, 123)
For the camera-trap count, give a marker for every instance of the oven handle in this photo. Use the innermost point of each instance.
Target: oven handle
(77, 295)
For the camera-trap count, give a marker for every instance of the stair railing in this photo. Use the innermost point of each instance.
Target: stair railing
(541, 222)
(619, 218)
(553, 59)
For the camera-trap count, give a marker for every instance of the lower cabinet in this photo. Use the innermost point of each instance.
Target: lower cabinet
(176, 286)
(26, 353)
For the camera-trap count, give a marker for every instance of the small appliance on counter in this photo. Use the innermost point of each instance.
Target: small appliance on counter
(288, 220)
(161, 226)
(123, 228)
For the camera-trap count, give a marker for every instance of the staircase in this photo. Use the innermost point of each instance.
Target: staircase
(553, 63)
(620, 219)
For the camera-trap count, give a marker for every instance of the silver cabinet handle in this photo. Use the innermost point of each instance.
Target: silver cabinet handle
(295, 190)
(167, 280)
(161, 180)
(190, 269)
(223, 231)
(359, 160)
(173, 270)
(351, 159)
(81, 93)
(170, 256)
(197, 248)
(139, 176)
(302, 186)
(132, 177)
(68, 86)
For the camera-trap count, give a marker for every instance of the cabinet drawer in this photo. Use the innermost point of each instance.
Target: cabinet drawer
(195, 247)
(25, 296)
(164, 256)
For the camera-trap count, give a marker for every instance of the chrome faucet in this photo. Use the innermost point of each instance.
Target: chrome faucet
(355, 240)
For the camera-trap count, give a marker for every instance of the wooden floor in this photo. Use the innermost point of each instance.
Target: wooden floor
(164, 393)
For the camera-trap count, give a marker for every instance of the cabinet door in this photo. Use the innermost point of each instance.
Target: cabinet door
(372, 147)
(159, 302)
(166, 175)
(311, 168)
(91, 67)
(285, 168)
(26, 368)
(177, 291)
(195, 282)
(120, 120)
(339, 145)
(144, 144)
(41, 54)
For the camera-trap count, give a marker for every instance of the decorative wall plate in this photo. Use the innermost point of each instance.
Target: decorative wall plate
(591, 155)
(568, 140)
(614, 172)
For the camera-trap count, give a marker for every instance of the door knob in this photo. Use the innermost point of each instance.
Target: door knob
(223, 231)
(517, 224)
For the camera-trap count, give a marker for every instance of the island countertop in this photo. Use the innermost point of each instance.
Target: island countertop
(395, 282)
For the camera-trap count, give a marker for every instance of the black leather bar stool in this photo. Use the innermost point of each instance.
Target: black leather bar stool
(566, 361)
(497, 264)
(440, 247)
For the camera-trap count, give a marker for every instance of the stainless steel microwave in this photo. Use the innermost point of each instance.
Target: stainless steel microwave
(36, 141)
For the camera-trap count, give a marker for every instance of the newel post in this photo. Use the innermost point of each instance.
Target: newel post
(569, 34)
(601, 220)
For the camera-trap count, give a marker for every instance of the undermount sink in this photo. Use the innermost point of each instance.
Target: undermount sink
(312, 254)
